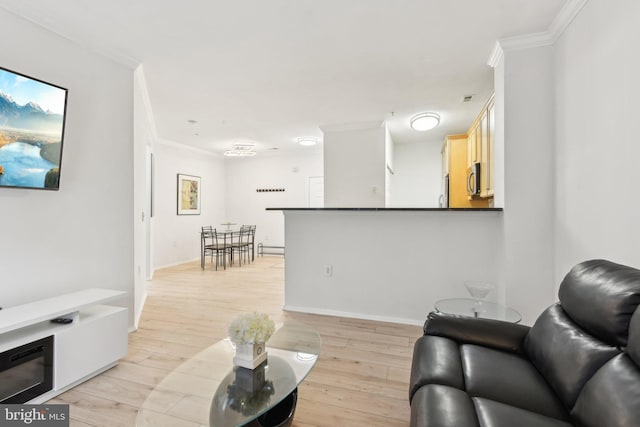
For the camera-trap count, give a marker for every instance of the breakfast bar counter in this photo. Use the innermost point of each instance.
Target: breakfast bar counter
(389, 264)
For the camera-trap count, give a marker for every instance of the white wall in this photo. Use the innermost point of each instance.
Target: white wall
(176, 238)
(527, 261)
(82, 235)
(597, 85)
(246, 206)
(390, 266)
(354, 166)
(417, 181)
(389, 181)
(144, 138)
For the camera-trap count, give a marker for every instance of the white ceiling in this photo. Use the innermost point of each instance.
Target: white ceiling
(269, 71)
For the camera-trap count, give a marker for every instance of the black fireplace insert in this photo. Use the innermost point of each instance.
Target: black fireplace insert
(26, 371)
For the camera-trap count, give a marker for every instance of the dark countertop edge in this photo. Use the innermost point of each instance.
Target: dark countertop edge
(392, 209)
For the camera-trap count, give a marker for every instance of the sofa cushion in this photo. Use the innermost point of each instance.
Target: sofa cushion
(496, 414)
(611, 397)
(510, 379)
(436, 360)
(564, 354)
(601, 296)
(438, 405)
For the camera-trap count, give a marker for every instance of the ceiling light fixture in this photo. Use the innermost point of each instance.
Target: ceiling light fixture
(424, 121)
(307, 141)
(241, 150)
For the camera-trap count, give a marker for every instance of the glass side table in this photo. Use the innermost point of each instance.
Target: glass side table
(486, 310)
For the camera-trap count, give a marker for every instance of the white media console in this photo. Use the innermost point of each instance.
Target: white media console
(94, 340)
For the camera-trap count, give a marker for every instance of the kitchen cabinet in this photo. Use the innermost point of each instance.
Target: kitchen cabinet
(491, 114)
(480, 147)
(472, 145)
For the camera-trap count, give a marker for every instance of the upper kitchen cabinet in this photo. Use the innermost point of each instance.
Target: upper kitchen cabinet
(480, 147)
(491, 114)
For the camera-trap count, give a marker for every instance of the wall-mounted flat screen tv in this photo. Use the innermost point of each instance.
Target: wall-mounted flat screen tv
(32, 117)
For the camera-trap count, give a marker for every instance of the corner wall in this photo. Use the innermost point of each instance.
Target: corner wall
(176, 238)
(597, 87)
(244, 205)
(81, 236)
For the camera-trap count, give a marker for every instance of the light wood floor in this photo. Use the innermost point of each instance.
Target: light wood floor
(361, 378)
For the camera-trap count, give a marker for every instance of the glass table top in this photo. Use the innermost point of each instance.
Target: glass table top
(208, 390)
(486, 309)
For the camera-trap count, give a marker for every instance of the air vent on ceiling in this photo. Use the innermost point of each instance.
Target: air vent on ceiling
(466, 98)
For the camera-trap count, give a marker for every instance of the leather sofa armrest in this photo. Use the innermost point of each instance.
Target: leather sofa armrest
(491, 333)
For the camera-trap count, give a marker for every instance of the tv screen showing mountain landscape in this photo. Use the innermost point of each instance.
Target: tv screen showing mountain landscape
(31, 131)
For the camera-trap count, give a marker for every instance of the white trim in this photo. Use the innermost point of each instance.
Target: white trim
(336, 313)
(173, 264)
(526, 41)
(497, 55)
(545, 38)
(565, 17)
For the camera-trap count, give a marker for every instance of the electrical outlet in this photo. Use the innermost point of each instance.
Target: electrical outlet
(328, 270)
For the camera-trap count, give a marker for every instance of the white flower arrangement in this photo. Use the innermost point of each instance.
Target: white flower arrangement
(251, 328)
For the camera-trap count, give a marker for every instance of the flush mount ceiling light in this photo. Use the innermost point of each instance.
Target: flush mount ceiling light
(241, 150)
(307, 141)
(424, 121)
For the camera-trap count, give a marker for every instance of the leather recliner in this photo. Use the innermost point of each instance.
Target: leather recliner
(578, 365)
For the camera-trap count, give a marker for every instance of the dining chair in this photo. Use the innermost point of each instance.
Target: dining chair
(252, 239)
(240, 246)
(213, 244)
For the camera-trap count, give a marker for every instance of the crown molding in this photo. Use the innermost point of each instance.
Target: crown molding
(342, 127)
(546, 38)
(565, 17)
(496, 56)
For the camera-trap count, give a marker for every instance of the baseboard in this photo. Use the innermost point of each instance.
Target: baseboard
(350, 315)
(173, 264)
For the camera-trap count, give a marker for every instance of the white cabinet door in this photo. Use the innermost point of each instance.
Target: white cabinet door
(98, 339)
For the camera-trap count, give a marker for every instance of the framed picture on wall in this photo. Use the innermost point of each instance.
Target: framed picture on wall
(188, 195)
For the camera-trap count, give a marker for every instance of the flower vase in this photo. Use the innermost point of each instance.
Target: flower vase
(250, 355)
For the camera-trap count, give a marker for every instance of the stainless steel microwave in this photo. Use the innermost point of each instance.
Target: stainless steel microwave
(473, 180)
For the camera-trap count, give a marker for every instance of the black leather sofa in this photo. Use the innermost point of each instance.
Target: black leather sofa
(578, 365)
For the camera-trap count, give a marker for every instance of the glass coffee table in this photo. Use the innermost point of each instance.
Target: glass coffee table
(485, 310)
(208, 390)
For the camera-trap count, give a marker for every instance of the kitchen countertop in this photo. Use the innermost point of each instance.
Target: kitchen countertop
(391, 209)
